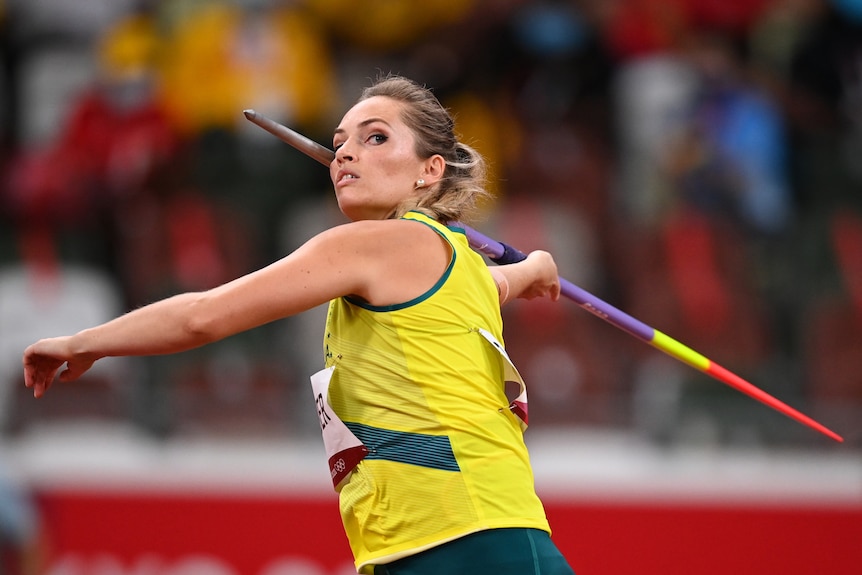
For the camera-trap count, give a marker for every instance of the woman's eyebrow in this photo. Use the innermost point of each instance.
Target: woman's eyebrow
(362, 124)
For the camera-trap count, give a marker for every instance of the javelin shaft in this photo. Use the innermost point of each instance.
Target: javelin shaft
(504, 254)
(501, 253)
(305, 145)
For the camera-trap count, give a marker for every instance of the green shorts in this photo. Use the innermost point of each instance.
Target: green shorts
(491, 552)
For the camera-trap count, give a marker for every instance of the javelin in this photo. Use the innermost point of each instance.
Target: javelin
(501, 253)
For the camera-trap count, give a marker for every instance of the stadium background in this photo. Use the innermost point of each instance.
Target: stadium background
(693, 162)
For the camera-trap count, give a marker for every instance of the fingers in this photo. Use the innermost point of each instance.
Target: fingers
(39, 375)
(39, 370)
(556, 289)
(39, 390)
(40, 380)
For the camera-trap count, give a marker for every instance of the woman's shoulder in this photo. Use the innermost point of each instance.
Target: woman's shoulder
(398, 259)
(383, 233)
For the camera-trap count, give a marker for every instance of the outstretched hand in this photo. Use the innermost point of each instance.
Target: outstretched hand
(44, 358)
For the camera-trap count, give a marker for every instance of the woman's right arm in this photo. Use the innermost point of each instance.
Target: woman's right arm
(332, 264)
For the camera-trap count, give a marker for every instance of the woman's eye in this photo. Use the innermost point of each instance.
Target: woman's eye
(377, 138)
(336, 146)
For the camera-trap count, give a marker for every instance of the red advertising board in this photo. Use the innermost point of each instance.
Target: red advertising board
(114, 504)
(184, 533)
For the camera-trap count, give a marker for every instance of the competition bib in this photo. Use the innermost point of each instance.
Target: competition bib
(510, 373)
(343, 449)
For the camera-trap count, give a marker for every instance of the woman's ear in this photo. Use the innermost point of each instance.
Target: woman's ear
(435, 167)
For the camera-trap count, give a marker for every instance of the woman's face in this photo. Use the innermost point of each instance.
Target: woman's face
(375, 166)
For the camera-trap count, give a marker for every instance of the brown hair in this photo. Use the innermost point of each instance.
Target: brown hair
(457, 194)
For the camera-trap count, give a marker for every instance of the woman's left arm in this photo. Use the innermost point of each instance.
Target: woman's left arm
(533, 277)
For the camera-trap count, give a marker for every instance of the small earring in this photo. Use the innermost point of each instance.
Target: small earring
(420, 183)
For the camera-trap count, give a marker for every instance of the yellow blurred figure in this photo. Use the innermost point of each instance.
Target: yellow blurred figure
(129, 49)
(388, 25)
(225, 58)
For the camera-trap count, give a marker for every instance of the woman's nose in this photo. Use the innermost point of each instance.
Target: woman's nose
(343, 153)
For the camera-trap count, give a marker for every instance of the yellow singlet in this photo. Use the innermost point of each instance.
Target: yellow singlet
(424, 391)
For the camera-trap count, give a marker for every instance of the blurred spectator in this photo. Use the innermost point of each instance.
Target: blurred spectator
(269, 55)
(652, 96)
(115, 140)
(230, 55)
(388, 26)
(732, 159)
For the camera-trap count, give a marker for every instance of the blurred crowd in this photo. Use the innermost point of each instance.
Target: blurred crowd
(695, 163)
